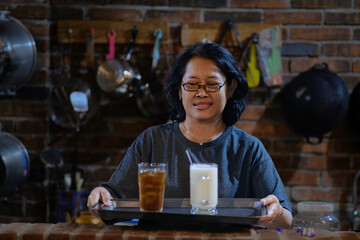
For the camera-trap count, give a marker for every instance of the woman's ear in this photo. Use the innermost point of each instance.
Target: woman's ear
(231, 89)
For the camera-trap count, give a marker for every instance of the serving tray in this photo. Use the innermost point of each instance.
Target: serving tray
(239, 211)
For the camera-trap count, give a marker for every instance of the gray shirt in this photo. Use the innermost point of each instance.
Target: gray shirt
(245, 169)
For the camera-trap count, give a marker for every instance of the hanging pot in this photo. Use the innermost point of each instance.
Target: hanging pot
(14, 163)
(119, 78)
(315, 102)
(17, 54)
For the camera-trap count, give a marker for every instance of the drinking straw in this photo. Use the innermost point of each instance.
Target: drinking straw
(188, 155)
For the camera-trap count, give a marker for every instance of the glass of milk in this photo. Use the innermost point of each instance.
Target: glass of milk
(203, 188)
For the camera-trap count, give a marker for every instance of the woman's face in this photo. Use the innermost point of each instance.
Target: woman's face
(202, 105)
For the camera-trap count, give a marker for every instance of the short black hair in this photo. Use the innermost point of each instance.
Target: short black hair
(235, 105)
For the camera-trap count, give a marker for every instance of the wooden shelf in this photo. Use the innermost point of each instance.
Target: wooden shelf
(80, 30)
(195, 32)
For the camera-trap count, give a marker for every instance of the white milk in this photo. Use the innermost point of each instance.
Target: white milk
(203, 187)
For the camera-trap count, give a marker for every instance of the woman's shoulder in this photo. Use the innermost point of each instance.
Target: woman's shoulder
(160, 130)
(246, 140)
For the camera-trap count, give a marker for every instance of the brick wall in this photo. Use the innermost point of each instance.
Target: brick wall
(66, 231)
(313, 31)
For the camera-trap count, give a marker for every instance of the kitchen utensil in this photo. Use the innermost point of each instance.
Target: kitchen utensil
(252, 72)
(315, 102)
(71, 104)
(150, 96)
(17, 54)
(274, 61)
(116, 78)
(14, 163)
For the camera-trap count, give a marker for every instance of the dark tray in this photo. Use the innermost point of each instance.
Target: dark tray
(239, 211)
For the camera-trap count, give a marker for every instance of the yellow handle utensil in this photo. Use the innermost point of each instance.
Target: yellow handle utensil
(252, 73)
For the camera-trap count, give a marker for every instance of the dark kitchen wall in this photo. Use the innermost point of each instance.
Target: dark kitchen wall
(312, 31)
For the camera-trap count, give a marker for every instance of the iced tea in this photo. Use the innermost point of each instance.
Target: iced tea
(151, 177)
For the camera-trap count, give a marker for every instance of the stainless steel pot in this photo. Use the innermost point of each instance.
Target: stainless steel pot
(17, 54)
(119, 78)
(14, 163)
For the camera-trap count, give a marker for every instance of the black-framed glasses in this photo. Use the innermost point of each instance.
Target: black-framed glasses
(194, 87)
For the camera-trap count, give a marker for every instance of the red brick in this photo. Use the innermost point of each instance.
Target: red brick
(62, 231)
(88, 232)
(320, 34)
(198, 4)
(309, 18)
(302, 65)
(30, 126)
(42, 45)
(258, 128)
(321, 4)
(303, 193)
(216, 16)
(22, 109)
(30, 12)
(114, 14)
(346, 146)
(66, 13)
(281, 4)
(139, 2)
(299, 177)
(350, 81)
(320, 162)
(185, 16)
(140, 235)
(253, 113)
(36, 231)
(166, 235)
(112, 232)
(297, 146)
(13, 230)
(338, 178)
(37, 29)
(281, 160)
(356, 66)
(43, 59)
(342, 18)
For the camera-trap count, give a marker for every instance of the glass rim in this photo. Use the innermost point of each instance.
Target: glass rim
(152, 164)
(211, 164)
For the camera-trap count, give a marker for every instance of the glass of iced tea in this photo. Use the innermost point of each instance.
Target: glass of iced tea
(151, 177)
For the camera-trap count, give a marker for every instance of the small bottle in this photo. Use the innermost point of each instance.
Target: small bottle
(315, 216)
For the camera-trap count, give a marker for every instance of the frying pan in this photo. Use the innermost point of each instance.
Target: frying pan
(71, 104)
(150, 96)
(118, 78)
(17, 54)
(14, 163)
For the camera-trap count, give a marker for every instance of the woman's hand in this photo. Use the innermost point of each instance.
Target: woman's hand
(277, 215)
(99, 194)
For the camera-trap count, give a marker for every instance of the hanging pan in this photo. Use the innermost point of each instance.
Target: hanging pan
(71, 103)
(17, 54)
(118, 78)
(14, 163)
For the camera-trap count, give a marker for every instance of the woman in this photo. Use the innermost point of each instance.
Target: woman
(205, 92)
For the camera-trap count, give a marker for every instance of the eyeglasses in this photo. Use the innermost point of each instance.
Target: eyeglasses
(194, 87)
